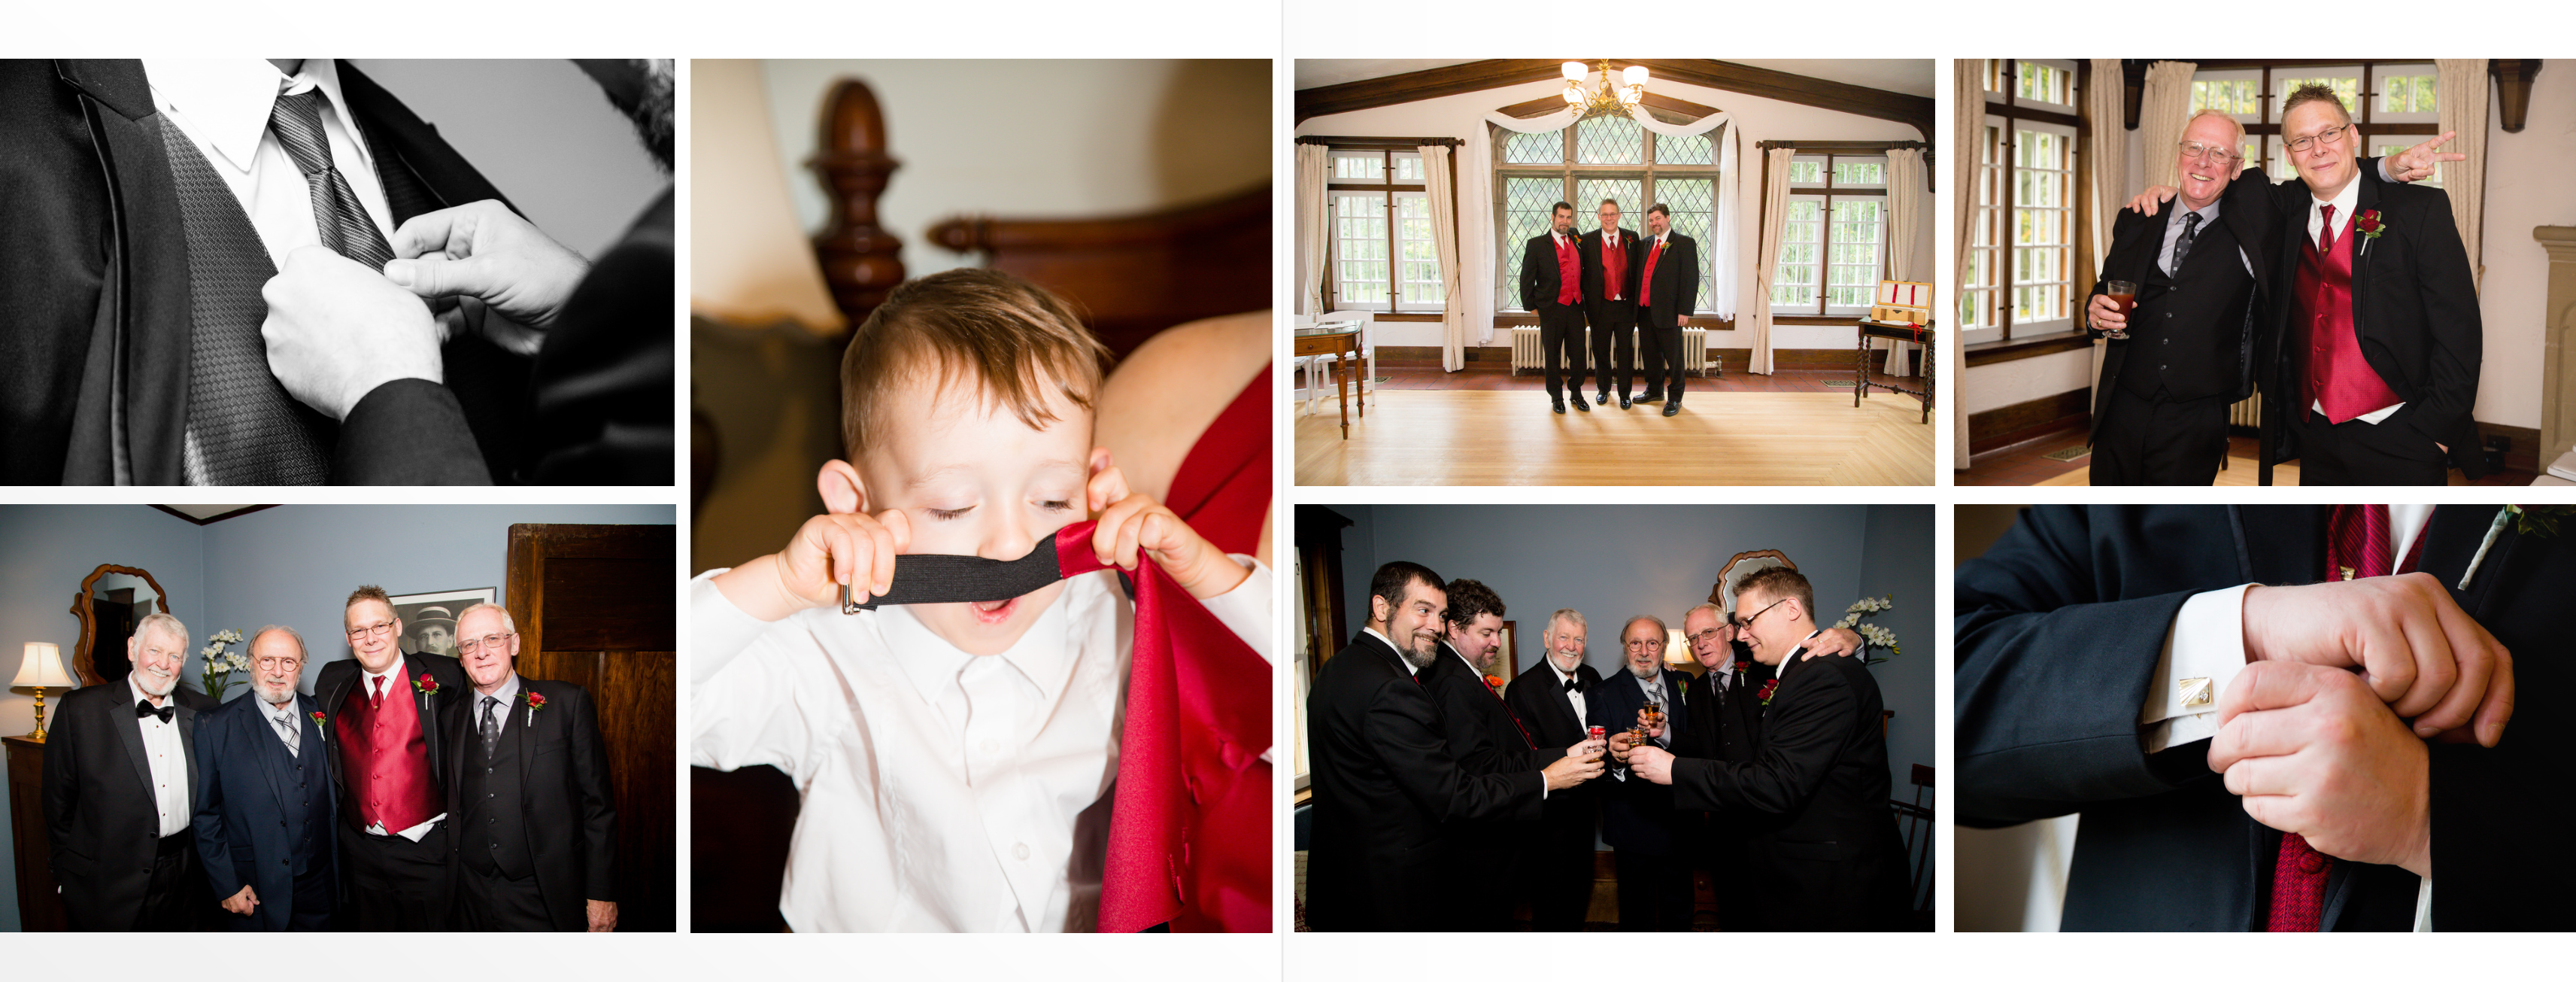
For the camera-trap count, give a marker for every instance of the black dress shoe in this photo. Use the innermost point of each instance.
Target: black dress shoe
(1603, 398)
(1558, 404)
(1673, 408)
(1578, 401)
(1623, 402)
(1652, 395)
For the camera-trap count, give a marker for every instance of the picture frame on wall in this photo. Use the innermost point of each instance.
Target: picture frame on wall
(429, 619)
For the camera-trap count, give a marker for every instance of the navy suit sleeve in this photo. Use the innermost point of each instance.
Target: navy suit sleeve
(1404, 728)
(1798, 751)
(408, 431)
(2051, 677)
(214, 848)
(598, 805)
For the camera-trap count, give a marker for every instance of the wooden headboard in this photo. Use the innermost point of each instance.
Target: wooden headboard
(1131, 275)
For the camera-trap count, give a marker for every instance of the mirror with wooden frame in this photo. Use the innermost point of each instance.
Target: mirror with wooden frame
(110, 603)
(1738, 567)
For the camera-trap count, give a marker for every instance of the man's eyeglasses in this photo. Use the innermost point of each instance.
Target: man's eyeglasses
(2201, 151)
(1748, 622)
(273, 663)
(377, 629)
(1713, 632)
(492, 641)
(2326, 138)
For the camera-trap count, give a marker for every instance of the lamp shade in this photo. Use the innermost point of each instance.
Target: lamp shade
(1635, 75)
(43, 666)
(1676, 650)
(1573, 71)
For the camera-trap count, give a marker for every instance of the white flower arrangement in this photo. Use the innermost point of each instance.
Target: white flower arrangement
(1871, 635)
(216, 678)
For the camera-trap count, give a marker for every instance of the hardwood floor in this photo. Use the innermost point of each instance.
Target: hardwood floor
(1720, 438)
(2028, 464)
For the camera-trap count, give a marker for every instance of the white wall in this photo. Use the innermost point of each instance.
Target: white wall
(1463, 116)
(2005, 383)
(1033, 138)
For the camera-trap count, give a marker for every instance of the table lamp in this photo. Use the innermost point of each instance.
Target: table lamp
(42, 667)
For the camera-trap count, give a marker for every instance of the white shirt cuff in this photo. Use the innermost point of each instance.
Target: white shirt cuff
(1245, 610)
(2203, 651)
(718, 630)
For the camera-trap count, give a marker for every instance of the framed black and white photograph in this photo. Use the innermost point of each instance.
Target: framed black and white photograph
(429, 619)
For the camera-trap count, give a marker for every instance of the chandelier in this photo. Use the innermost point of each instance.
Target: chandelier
(1606, 97)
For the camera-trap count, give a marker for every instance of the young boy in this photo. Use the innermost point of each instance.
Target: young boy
(956, 760)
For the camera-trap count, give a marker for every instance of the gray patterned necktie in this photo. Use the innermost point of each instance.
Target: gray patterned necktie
(337, 215)
(2182, 246)
(491, 731)
(287, 730)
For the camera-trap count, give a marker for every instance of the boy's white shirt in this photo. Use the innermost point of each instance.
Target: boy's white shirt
(942, 791)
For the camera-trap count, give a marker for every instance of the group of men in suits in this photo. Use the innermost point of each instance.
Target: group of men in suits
(1617, 283)
(273, 272)
(408, 792)
(2276, 717)
(2344, 296)
(1441, 802)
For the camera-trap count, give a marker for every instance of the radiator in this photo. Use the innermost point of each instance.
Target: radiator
(1525, 353)
(2248, 413)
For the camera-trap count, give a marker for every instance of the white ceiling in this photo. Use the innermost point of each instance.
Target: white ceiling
(1912, 76)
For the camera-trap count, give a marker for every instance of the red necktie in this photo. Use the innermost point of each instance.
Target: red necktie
(1509, 715)
(2357, 546)
(376, 698)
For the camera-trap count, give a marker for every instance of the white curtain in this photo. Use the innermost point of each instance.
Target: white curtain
(1766, 258)
(1444, 240)
(1314, 221)
(2162, 111)
(1906, 191)
(2109, 159)
(2461, 92)
(1967, 135)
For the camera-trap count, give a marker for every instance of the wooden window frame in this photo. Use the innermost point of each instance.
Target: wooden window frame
(1391, 145)
(2011, 111)
(1826, 193)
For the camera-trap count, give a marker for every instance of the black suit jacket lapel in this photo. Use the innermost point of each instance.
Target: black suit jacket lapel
(2283, 544)
(186, 720)
(390, 126)
(2363, 203)
(526, 729)
(123, 720)
(132, 412)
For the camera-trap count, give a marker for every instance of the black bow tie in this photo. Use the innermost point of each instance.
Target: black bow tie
(143, 708)
(1573, 685)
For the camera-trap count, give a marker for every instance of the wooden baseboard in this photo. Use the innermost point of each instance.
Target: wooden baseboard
(2522, 453)
(1733, 359)
(2007, 425)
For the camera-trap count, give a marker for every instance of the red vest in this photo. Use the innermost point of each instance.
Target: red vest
(1569, 272)
(1646, 285)
(2338, 377)
(384, 756)
(1614, 264)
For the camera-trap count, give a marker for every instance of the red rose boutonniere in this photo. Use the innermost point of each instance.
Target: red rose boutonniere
(1767, 689)
(425, 686)
(1744, 666)
(536, 701)
(2368, 224)
(322, 723)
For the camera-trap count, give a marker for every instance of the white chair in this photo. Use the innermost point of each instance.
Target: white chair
(1302, 367)
(1367, 320)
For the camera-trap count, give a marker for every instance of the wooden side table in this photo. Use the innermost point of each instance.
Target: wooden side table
(39, 908)
(1894, 331)
(1344, 344)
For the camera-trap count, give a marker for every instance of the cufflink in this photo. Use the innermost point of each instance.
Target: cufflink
(2195, 693)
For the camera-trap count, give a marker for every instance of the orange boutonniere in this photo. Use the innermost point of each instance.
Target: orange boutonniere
(1493, 682)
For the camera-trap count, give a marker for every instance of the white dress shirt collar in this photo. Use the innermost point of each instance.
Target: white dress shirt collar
(1399, 652)
(228, 100)
(2343, 203)
(933, 665)
(508, 691)
(392, 677)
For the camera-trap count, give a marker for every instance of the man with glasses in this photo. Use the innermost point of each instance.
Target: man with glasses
(387, 757)
(1610, 276)
(536, 822)
(1552, 288)
(2334, 374)
(1637, 818)
(1726, 724)
(265, 815)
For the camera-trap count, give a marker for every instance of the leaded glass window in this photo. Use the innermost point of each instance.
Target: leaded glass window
(1605, 157)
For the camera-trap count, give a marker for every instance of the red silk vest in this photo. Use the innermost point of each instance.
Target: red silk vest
(1614, 264)
(2338, 377)
(1569, 273)
(384, 756)
(1646, 285)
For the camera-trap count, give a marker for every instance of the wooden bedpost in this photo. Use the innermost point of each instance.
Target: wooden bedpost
(861, 260)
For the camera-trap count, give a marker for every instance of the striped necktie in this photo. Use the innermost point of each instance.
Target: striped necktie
(337, 215)
(287, 730)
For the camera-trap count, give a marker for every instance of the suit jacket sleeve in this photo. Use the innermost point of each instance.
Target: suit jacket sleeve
(1686, 285)
(1801, 748)
(1404, 727)
(603, 378)
(598, 805)
(63, 759)
(214, 850)
(1532, 258)
(2051, 676)
(2441, 274)
(1461, 725)
(407, 431)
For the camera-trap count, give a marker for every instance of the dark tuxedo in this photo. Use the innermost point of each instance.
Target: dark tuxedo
(536, 821)
(1557, 857)
(390, 883)
(96, 272)
(1821, 844)
(265, 818)
(1674, 291)
(103, 821)
(1613, 322)
(1560, 326)
(1638, 818)
(1385, 782)
(2160, 410)
(604, 376)
(1726, 724)
(2415, 316)
(2059, 629)
(1478, 854)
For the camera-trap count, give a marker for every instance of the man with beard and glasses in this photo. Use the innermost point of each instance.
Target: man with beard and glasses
(265, 809)
(1637, 818)
(1385, 779)
(1556, 860)
(1482, 733)
(119, 772)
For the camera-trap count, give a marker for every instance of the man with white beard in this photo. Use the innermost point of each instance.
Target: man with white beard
(118, 770)
(266, 812)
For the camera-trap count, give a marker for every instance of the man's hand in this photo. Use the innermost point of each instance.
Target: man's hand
(2417, 163)
(336, 330)
(486, 251)
(1652, 763)
(2146, 201)
(1131, 523)
(2106, 314)
(1834, 641)
(2313, 751)
(1619, 747)
(602, 914)
(1571, 770)
(2417, 649)
(827, 552)
(244, 902)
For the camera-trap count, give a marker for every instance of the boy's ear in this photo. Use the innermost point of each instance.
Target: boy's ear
(844, 493)
(1099, 461)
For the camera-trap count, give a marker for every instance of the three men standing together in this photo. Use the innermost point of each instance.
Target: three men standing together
(1614, 281)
